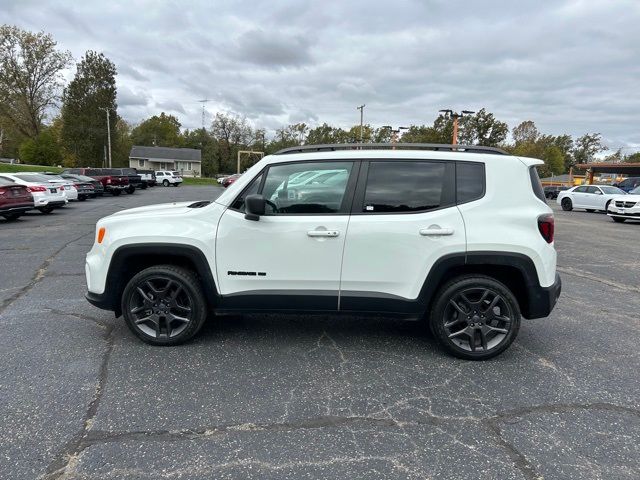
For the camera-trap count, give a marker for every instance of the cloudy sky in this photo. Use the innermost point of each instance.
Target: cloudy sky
(571, 66)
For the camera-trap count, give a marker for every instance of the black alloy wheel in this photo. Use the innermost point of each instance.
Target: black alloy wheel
(566, 204)
(475, 317)
(164, 305)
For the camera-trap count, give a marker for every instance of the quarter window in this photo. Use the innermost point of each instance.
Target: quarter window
(307, 188)
(470, 181)
(399, 187)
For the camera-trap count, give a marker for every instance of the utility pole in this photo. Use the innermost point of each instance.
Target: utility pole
(203, 101)
(361, 108)
(455, 116)
(106, 109)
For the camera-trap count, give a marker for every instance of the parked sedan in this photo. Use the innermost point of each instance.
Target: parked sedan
(98, 188)
(15, 199)
(46, 196)
(588, 197)
(625, 207)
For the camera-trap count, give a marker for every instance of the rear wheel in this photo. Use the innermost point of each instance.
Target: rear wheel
(164, 305)
(165, 183)
(115, 193)
(130, 190)
(475, 317)
(618, 219)
(82, 198)
(12, 216)
(46, 210)
(566, 204)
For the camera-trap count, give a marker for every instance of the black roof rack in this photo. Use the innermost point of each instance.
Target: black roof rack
(392, 146)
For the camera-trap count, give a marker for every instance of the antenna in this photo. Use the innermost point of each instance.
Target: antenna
(203, 101)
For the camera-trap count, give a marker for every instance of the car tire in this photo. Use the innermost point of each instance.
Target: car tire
(566, 204)
(165, 296)
(165, 183)
(115, 193)
(10, 217)
(144, 186)
(475, 317)
(590, 210)
(618, 219)
(46, 210)
(81, 198)
(130, 190)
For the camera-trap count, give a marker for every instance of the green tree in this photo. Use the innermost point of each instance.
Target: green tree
(324, 134)
(204, 141)
(482, 128)
(232, 133)
(121, 143)
(633, 158)
(553, 161)
(587, 147)
(525, 132)
(160, 131)
(421, 134)
(43, 149)
(30, 77)
(93, 89)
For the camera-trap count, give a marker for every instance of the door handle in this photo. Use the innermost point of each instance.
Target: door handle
(435, 231)
(323, 233)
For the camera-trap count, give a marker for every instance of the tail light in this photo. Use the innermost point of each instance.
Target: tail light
(75, 186)
(546, 225)
(3, 191)
(109, 180)
(37, 189)
(61, 188)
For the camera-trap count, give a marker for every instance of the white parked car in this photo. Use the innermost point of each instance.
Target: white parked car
(588, 197)
(67, 186)
(166, 178)
(625, 207)
(46, 196)
(463, 239)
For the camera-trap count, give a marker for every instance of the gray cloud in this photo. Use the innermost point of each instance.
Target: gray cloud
(572, 66)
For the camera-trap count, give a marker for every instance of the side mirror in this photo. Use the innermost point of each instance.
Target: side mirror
(254, 206)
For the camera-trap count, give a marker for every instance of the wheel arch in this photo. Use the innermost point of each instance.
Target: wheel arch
(128, 260)
(515, 270)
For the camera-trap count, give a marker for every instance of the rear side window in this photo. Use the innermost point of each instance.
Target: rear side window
(535, 184)
(405, 187)
(470, 181)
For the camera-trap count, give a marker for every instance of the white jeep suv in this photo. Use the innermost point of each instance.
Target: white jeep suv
(459, 236)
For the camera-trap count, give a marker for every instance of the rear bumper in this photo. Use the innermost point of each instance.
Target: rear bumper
(541, 300)
(16, 209)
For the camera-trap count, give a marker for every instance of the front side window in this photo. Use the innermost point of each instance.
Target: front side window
(307, 187)
(593, 190)
(404, 187)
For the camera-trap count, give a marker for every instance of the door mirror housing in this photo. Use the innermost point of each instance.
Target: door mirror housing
(254, 207)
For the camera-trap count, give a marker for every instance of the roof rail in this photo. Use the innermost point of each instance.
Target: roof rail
(392, 146)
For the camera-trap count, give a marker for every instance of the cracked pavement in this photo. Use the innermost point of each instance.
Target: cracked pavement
(272, 396)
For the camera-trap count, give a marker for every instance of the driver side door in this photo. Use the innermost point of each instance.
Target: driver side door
(290, 259)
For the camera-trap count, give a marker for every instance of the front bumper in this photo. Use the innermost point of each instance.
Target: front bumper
(622, 212)
(541, 300)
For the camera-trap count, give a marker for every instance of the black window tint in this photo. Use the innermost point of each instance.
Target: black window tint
(592, 190)
(535, 184)
(238, 203)
(469, 181)
(404, 186)
(581, 190)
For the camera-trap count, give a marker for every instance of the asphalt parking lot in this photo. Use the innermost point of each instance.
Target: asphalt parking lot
(312, 397)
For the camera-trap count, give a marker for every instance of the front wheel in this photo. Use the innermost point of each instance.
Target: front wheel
(566, 204)
(618, 219)
(164, 305)
(475, 317)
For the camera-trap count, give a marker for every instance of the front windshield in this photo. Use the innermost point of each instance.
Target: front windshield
(635, 191)
(612, 191)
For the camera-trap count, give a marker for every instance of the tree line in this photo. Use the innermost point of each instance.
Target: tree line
(45, 122)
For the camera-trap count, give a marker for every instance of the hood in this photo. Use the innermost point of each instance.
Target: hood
(153, 210)
(628, 198)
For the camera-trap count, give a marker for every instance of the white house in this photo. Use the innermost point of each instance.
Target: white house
(187, 161)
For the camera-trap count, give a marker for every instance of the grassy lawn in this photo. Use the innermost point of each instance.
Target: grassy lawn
(8, 168)
(200, 181)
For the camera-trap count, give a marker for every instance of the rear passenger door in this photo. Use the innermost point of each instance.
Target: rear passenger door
(404, 218)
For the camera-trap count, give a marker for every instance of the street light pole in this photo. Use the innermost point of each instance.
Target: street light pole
(106, 109)
(455, 116)
(361, 108)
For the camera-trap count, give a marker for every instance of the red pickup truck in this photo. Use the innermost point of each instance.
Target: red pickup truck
(113, 184)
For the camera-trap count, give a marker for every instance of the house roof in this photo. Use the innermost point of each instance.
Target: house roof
(189, 154)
